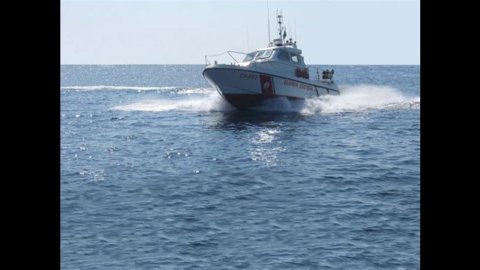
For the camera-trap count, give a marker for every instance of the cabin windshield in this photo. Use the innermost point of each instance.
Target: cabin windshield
(249, 57)
(264, 54)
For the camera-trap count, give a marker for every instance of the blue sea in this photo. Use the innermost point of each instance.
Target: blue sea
(158, 172)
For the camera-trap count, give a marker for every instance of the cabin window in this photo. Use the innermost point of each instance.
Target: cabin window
(300, 60)
(283, 55)
(295, 58)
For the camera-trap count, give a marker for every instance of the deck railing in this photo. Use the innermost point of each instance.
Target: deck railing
(215, 57)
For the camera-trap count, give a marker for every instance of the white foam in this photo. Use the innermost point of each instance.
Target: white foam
(195, 91)
(360, 98)
(212, 102)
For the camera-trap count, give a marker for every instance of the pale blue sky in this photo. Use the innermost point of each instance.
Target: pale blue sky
(182, 32)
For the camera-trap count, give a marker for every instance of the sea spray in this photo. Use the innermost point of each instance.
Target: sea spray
(359, 98)
(353, 98)
(205, 103)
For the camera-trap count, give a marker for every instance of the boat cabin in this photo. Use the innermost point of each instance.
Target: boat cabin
(282, 54)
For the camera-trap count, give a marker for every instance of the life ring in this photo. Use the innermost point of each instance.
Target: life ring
(298, 72)
(305, 73)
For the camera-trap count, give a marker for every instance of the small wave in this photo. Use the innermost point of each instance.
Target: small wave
(171, 89)
(195, 91)
(113, 88)
(211, 103)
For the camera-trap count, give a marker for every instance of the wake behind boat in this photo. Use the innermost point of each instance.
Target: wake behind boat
(279, 70)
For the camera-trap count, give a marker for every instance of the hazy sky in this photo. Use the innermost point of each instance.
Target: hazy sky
(183, 32)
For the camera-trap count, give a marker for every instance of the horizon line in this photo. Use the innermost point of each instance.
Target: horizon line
(205, 65)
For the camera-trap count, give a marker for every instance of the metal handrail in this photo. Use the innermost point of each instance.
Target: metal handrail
(228, 52)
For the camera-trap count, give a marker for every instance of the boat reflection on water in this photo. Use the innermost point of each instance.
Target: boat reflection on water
(240, 119)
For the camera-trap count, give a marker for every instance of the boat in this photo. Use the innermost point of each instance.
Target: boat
(279, 70)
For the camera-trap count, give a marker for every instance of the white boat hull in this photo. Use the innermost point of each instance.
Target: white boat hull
(245, 87)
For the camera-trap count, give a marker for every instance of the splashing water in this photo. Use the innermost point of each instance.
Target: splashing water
(360, 98)
(210, 103)
(351, 99)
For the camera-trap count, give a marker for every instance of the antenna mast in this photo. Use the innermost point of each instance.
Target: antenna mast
(295, 22)
(268, 14)
(280, 27)
(248, 44)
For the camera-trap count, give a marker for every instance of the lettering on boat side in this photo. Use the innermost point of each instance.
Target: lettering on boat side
(248, 76)
(298, 85)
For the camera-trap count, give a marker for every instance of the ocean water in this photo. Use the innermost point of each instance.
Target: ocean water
(158, 172)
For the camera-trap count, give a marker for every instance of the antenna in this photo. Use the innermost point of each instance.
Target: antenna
(280, 21)
(290, 28)
(248, 45)
(295, 23)
(268, 14)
